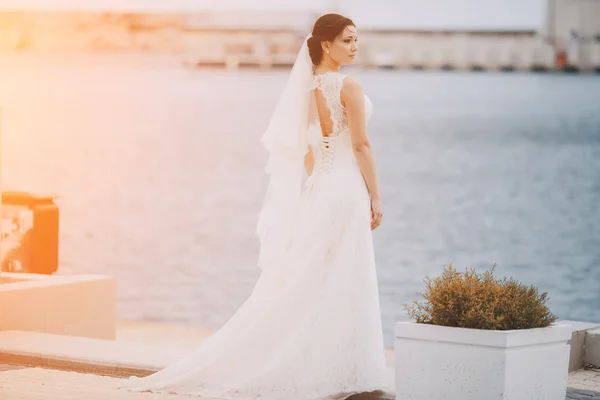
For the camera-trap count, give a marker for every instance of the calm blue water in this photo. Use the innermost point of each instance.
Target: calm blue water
(160, 175)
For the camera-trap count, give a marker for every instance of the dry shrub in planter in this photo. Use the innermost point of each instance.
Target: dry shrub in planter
(480, 301)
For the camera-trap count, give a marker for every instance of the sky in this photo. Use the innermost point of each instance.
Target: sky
(424, 14)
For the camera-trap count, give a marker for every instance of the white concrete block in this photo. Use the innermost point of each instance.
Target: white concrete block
(592, 347)
(80, 305)
(577, 341)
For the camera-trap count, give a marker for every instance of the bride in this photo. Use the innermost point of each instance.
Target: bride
(311, 328)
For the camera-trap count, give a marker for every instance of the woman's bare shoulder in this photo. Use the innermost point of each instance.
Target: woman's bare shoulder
(351, 84)
(351, 89)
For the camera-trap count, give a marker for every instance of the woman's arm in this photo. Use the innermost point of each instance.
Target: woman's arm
(309, 161)
(353, 99)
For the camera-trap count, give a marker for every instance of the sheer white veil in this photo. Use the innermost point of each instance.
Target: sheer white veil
(286, 140)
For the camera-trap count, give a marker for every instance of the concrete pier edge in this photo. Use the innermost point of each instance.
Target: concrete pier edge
(122, 359)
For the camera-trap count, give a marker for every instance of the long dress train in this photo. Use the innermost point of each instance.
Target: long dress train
(311, 329)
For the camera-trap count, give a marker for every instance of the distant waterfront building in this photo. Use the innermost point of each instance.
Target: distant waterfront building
(425, 34)
(553, 34)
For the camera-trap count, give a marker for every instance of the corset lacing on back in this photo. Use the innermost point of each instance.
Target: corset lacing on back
(327, 146)
(330, 85)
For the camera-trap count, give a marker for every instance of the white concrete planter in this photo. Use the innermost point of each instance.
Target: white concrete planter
(438, 362)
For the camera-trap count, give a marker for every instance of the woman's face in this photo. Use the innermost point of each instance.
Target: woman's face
(344, 48)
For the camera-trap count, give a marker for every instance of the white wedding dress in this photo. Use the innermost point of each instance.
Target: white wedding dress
(311, 329)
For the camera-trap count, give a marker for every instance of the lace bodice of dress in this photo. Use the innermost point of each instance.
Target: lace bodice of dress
(330, 84)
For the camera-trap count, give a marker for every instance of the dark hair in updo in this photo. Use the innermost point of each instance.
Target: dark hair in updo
(326, 28)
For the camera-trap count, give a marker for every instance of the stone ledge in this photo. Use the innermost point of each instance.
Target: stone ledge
(104, 357)
(592, 347)
(577, 342)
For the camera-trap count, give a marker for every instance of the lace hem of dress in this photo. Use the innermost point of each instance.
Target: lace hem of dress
(317, 396)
